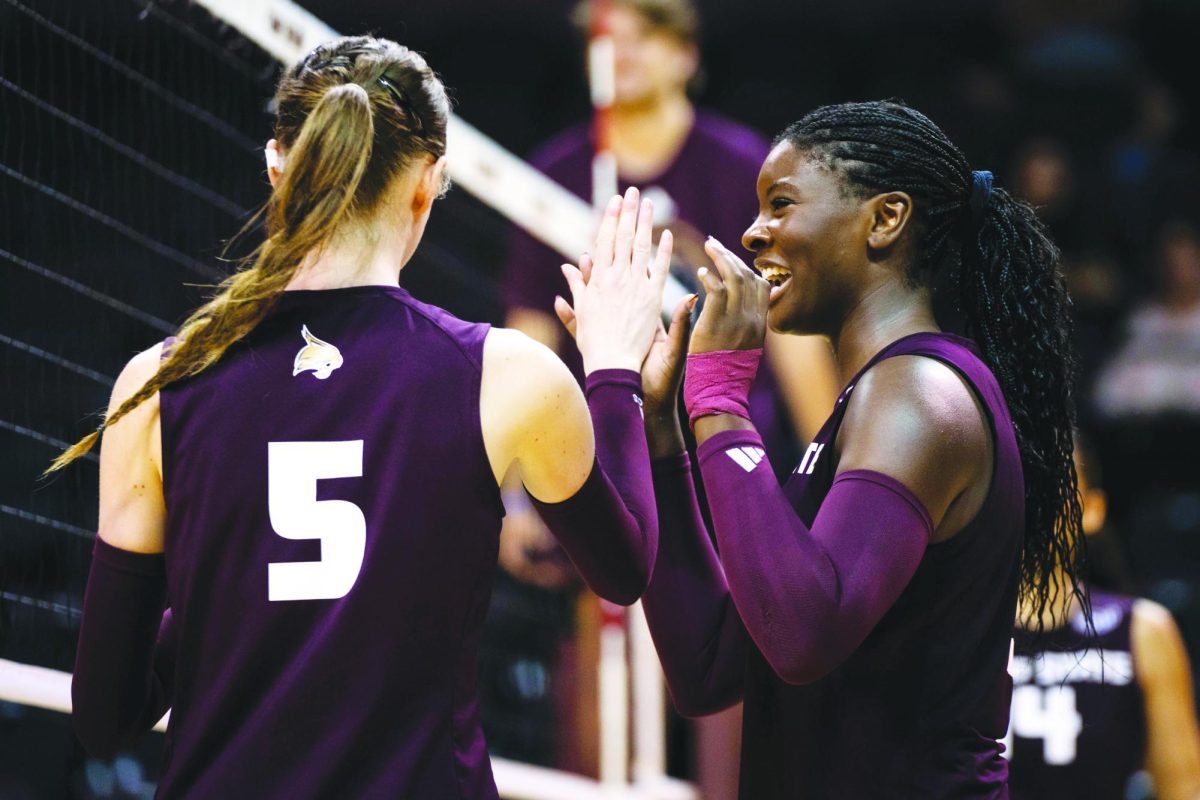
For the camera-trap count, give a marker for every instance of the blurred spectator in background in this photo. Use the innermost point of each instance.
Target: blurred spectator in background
(700, 171)
(1045, 177)
(1147, 417)
(1076, 65)
(1108, 716)
(1045, 174)
(1146, 172)
(1156, 369)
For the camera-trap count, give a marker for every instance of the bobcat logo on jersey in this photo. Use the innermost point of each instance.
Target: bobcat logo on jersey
(320, 357)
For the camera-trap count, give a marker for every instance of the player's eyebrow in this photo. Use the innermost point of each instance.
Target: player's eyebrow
(782, 184)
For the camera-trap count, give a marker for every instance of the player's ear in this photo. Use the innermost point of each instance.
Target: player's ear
(890, 213)
(274, 162)
(431, 185)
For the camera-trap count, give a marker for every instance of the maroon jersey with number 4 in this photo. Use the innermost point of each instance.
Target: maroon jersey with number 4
(1078, 717)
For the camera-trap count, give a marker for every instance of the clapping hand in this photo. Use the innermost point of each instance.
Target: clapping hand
(616, 316)
(734, 316)
(616, 291)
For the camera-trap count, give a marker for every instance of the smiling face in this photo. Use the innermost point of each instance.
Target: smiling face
(809, 240)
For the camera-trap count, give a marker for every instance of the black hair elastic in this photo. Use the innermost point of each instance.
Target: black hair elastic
(981, 193)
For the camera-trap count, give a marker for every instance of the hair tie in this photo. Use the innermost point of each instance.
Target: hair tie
(981, 193)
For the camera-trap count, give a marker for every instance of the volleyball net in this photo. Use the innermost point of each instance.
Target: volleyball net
(131, 137)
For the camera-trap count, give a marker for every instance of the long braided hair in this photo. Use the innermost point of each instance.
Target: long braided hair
(995, 270)
(352, 115)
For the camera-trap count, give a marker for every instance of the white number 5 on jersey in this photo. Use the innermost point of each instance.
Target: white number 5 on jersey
(293, 469)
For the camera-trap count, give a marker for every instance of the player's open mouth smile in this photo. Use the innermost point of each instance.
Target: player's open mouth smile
(776, 275)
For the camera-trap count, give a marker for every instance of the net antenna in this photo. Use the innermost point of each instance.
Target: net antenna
(612, 697)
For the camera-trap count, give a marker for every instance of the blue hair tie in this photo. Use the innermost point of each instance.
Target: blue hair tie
(981, 193)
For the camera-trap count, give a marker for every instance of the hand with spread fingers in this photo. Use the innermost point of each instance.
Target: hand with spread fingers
(616, 291)
(734, 316)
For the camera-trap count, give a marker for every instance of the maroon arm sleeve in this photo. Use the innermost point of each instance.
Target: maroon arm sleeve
(809, 597)
(162, 679)
(113, 688)
(609, 528)
(696, 629)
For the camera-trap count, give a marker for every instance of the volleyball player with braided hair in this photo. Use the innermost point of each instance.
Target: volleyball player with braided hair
(309, 472)
(863, 610)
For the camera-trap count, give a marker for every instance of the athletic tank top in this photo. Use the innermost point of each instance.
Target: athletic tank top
(1078, 716)
(332, 526)
(917, 709)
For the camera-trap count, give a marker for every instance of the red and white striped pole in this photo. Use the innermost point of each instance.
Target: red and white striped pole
(602, 78)
(613, 694)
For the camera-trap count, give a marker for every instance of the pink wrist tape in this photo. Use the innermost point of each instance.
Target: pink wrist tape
(719, 383)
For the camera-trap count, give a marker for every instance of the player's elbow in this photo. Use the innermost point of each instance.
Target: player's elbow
(699, 685)
(694, 703)
(800, 674)
(623, 585)
(98, 725)
(100, 739)
(626, 590)
(628, 580)
(808, 662)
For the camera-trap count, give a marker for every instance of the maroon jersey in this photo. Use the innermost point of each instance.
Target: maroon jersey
(918, 709)
(331, 534)
(1078, 718)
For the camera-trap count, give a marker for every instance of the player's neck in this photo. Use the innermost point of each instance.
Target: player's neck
(355, 259)
(889, 311)
(646, 137)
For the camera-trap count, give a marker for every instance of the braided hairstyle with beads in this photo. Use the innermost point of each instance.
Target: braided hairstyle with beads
(352, 115)
(995, 274)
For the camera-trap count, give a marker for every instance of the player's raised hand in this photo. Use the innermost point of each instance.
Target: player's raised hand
(616, 292)
(734, 316)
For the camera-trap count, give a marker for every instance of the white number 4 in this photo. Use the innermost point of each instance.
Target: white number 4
(1048, 714)
(293, 469)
